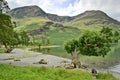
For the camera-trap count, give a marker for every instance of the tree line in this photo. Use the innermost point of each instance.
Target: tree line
(8, 37)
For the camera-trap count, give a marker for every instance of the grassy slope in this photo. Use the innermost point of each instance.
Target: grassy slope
(96, 26)
(56, 35)
(59, 38)
(8, 72)
(29, 24)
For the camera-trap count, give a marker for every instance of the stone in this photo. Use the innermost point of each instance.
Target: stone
(42, 61)
(17, 60)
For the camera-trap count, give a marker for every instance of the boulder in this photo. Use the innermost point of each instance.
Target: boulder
(42, 61)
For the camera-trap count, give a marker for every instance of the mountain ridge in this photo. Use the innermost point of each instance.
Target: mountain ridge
(35, 11)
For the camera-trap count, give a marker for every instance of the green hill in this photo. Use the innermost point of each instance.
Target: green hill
(93, 20)
(57, 32)
(29, 24)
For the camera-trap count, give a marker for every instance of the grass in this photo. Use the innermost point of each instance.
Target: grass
(2, 50)
(90, 24)
(29, 24)
(58, 37)
(8, 72)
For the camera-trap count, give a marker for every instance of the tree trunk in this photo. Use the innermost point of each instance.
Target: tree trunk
(75, 59)
(39, 47)
(75, 66)
(0, 45)
(6, 46)
(8, 49)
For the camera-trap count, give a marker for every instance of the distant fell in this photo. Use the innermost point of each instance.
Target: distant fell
(34, 11)
(27, 11)
(94, 16)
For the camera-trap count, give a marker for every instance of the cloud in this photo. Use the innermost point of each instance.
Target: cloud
(72, 7)
(110, 7)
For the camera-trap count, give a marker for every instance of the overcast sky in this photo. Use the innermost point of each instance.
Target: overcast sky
(72, 7)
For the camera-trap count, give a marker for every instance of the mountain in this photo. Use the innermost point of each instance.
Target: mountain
(58, 29)
(85, 19)
(27, 11)
(59, 18)
(34, 11)
(95, 17)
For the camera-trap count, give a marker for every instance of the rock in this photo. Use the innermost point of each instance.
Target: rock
(94, 72)
(9, 50)
(69, 66)
(42, 61)
(58, 67)
(17, 60)
(64, 61)
(84, 66)
(76, 63)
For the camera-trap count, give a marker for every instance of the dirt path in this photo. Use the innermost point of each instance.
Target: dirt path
(27, 58)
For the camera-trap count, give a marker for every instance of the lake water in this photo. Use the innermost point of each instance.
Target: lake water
(115, 69)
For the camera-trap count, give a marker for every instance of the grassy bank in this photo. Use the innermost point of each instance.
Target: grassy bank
(8, 72)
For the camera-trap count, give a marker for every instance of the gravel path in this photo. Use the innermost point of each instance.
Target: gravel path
(27, 58)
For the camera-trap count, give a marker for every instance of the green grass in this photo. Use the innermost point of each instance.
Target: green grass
(8, 72)
(58, 37)
(94, 24)
(2, 50)
(29, 24)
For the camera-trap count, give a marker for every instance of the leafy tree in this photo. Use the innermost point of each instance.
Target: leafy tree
(24, 38)
(6, 30)
(92, 43)
(116, 36)
(7, 37)
(4, 8)
(111, 36)
(43, 38)
(72, 47)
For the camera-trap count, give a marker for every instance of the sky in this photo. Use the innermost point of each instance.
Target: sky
(71, 7)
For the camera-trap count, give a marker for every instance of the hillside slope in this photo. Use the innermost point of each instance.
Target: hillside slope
(93, 18)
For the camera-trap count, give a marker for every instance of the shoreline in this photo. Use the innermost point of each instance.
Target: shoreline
(52, 60)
